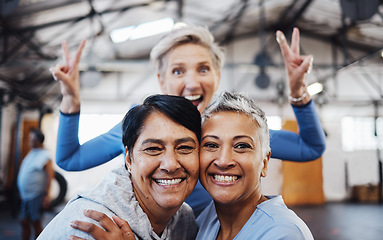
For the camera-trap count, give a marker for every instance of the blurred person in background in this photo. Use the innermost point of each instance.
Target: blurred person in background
(34, 181)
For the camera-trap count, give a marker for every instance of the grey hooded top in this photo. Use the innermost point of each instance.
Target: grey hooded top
(114, 196)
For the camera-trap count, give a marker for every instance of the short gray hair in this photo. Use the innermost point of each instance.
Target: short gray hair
(184, 35)
(236, 102)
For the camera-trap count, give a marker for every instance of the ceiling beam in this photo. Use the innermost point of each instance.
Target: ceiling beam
(287, 23)
(34, 8)
(81, 17)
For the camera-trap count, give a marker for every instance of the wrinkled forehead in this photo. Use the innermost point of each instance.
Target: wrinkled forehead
(180, 50)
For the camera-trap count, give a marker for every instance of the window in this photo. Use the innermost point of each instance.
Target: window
(274, 122)
(92, 125)
(358, 133)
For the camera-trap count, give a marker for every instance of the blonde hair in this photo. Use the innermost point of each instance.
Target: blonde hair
(184, 35)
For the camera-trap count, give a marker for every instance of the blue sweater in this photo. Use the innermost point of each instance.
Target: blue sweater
(71, 156)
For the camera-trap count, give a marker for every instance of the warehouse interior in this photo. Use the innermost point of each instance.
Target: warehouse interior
(344, 36)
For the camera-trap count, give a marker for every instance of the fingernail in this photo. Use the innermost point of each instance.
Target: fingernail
(73, 224)
(86, 212)
(280, 37)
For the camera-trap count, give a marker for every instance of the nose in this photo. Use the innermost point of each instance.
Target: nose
(191, 81)
(225, 158)
(169, 162)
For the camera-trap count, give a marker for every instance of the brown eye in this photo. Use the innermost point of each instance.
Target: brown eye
(210, 146)
(242, 145)
(153, 150)
(185, 149)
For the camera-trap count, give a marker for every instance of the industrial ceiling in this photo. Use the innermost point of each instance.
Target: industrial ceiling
(32, 32)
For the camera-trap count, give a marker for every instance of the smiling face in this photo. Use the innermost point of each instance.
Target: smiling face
(190, 73)
(163, 163)
(231, 161)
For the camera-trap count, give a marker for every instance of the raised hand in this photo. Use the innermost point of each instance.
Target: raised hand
(69, 76)
(119, 229)
(297, 67)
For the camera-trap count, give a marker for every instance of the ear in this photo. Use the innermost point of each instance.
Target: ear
(127, 158)
(161, 81)
(265, 165)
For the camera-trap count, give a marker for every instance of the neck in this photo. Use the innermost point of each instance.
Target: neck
(158, 216)
(233, 216)
(160, 221)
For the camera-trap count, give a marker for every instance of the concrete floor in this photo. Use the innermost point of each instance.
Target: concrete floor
(343, 221)
(332, 221)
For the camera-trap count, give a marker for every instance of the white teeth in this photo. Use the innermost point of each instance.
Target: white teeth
(222, 178)
(192, 98)
(168, 181)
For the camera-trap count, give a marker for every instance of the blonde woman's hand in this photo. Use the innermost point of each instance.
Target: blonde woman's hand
(297, 67)
(69, 77)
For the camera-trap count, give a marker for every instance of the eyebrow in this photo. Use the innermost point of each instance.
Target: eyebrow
(160, 141)
(235, 137)
(182, 64)
(243, 136)
(185, 139)
(153, 140)
(204, 62)
(176, 64)
(211, 136)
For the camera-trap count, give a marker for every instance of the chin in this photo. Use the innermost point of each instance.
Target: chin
(171, 202)
(201, 107)
(223, 198)
(170, 205)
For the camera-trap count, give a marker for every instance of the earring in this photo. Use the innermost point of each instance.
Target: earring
(263, 173)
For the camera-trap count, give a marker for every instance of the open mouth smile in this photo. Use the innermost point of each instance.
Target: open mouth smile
(195, 99)
(225, 178)
(168, 182)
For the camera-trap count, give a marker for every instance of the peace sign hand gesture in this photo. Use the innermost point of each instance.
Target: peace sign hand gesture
(297, 67)
(69, 76)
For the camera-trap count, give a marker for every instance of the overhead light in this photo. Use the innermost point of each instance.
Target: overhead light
(315, 88)
(142, 30)
(381, 53)
(121, 34)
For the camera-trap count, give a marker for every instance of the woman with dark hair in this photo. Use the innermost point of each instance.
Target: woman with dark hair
(161, 139)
